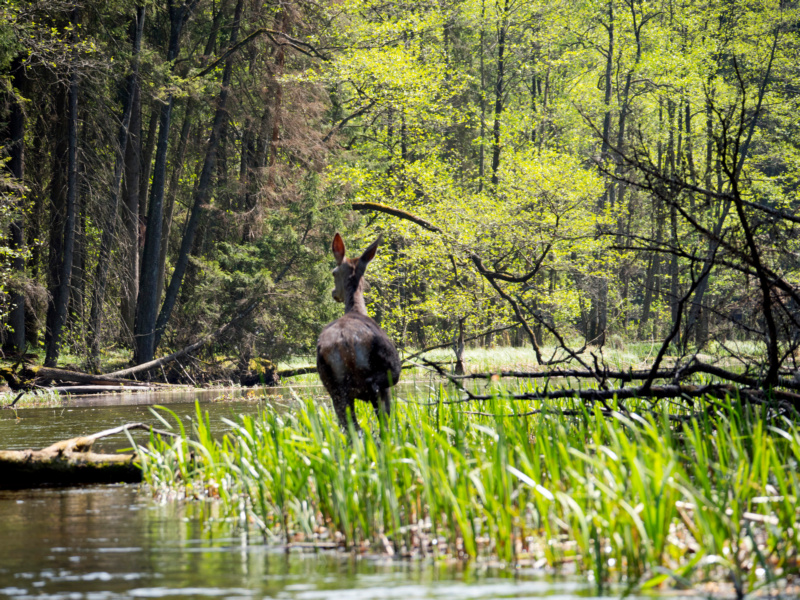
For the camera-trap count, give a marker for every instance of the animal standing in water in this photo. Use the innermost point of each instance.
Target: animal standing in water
(355, 358)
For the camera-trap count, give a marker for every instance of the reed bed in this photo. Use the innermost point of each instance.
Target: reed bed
(615, 496)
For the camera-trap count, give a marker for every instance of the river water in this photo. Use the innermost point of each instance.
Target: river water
(109, 542)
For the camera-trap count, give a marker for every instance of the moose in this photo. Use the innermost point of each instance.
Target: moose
(355, 357)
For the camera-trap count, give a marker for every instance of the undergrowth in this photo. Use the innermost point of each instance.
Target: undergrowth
(643, 501)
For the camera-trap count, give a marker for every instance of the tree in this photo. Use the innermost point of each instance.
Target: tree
(15, 146)
(62, 254)
(147, 300)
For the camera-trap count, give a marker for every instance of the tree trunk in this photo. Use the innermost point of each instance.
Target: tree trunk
(203, 188)
(77, 286)
(130, 212)
(608, 196)
(499, 89)
(173, 193)
(701, 329)
(598, 320)
(713, 244)
(58, 202)
(16, 165)
(674, 273)
(147, 302)
(36, 167)
(57, 310)
(458, 347)
(177, 170)
(482, 148)
(281, 22)
(146, 165)
(674, 263)
(648, 296)
(109, 231)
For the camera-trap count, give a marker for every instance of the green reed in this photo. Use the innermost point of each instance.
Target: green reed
(619, 497)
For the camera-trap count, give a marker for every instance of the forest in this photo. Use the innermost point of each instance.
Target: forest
(579, 181)
(563, 176)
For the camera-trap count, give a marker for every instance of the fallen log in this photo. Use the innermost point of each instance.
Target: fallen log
(20, 469)
(103, 389)
(48, 374)
(675, 374)
(296, 371)
(71, 462)
(313, 369)
(30, 377)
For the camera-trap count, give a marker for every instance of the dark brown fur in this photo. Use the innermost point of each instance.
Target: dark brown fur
(355, 358)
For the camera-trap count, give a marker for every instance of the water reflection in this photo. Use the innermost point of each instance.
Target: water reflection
(81, 415)
(185, 395)
(110, 542)
(114, 542)
(40, 427)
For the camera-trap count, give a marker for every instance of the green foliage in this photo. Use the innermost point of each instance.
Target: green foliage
(278, 264)
(539, 207)
(484, 118)
(430, 112)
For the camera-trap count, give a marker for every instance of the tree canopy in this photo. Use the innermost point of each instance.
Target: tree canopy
(575, 170)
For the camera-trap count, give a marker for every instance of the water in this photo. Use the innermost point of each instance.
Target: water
(100, 543)
(109, 542)
(81, 415)
(40, 427)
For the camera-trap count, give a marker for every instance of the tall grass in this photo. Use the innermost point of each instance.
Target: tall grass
(43, 398)
(619, 498)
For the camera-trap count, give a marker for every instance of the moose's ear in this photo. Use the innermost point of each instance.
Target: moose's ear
(338, 248)
(369, 253)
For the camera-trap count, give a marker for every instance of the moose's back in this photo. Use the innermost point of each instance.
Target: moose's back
(356, 359)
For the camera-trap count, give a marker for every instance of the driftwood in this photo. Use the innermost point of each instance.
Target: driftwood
(47, 374)
(782, 400)
(71, 462)
(603, 375)
(313, 369)
(30, 377)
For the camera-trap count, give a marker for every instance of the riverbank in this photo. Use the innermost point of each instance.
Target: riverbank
(227, 372)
